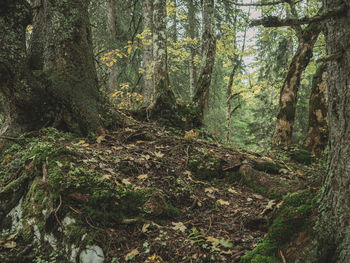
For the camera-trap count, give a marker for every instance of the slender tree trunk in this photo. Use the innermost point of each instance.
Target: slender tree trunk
(163, 98)
(317, 136)
(147, 51)
(65, 93)
(174, 33)
(111, 8)
(288, 97)
(191, 31)
(201, 94)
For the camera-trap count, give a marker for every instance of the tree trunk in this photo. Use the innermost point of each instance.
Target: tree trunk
(64, 93)
(317, 136)
(332, 235)
(288, 97)
(112, 78)
(201, 94)
(147, 52)
(193, 52)
(163, 98)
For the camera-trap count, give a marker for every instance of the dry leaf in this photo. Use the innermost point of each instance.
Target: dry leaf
(249, 199)
(99, 139)
(107, 176)
(258, 196)
(269, 206)
(126, 181)
(159, 154)
(131, 254)
(11, 244)
(10, 237)
(233, 191)
(179, 226)
(142, 176)
(222, 202)
(145, 228)
(211, 190)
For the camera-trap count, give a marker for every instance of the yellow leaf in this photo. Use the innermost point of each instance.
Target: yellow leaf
(107, 176)
(99, 139)
(232, 190)
(145, 228)
(126, 181)
(131, 255)
(222, 202)
(11, 244)
(142, 176)
(158, 154)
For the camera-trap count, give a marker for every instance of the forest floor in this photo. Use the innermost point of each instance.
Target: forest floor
(204, 202)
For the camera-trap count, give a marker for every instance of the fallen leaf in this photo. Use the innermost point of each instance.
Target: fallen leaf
(179, 226)
(225, 243)
(232, 190)
(222, 202)
(158, 154)
(11, 244)
(142, 176)
(131, 254)
(269, 206)
(211, 190)
(126, 181)
(258, 196)
(300, 172)
(107, 176)
(10, 237)
(99, 139)
(145, 227)
(249, 199)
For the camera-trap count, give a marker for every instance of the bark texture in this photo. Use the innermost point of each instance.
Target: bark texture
(163, 98)
(201, 94)
(332, 240)
(147, 52)
(317, 136)
(64, 91)
(288, 96)
(192, 33)
(111, 7)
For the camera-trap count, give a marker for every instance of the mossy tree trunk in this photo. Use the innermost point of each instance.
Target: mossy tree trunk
(317, 136)
(163, 98)
(62, 91)
(332, 230)
(201, 94)
(288, 96)
(147, 51)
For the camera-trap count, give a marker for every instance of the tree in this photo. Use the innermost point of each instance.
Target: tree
(192, 34)
(317, 136)
(201, 94)
(111, 21)
(332, 235)
(288, 97)
(163, 98)
(147, 51)
(64, 91)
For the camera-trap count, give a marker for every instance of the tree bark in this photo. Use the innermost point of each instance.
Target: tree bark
(201, 94)
(111, 7)
(163, 98)
(191, 31)
(64, 93)
(317, 136)
(147, 52)
(332, 235)
(288, 96)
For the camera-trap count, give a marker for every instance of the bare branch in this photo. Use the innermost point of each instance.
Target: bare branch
(273, 21)
(330, 57)
(264, 4)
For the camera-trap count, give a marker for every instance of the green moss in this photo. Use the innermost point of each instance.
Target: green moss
(265, 252)
(302, 156)
(291, 218)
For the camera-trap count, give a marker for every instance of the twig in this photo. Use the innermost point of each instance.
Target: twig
(330, 57)
(282, 256)
(206, 232)
(56, 210)
(11, 138)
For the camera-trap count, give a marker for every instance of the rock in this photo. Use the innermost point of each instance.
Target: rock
(92, 254)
